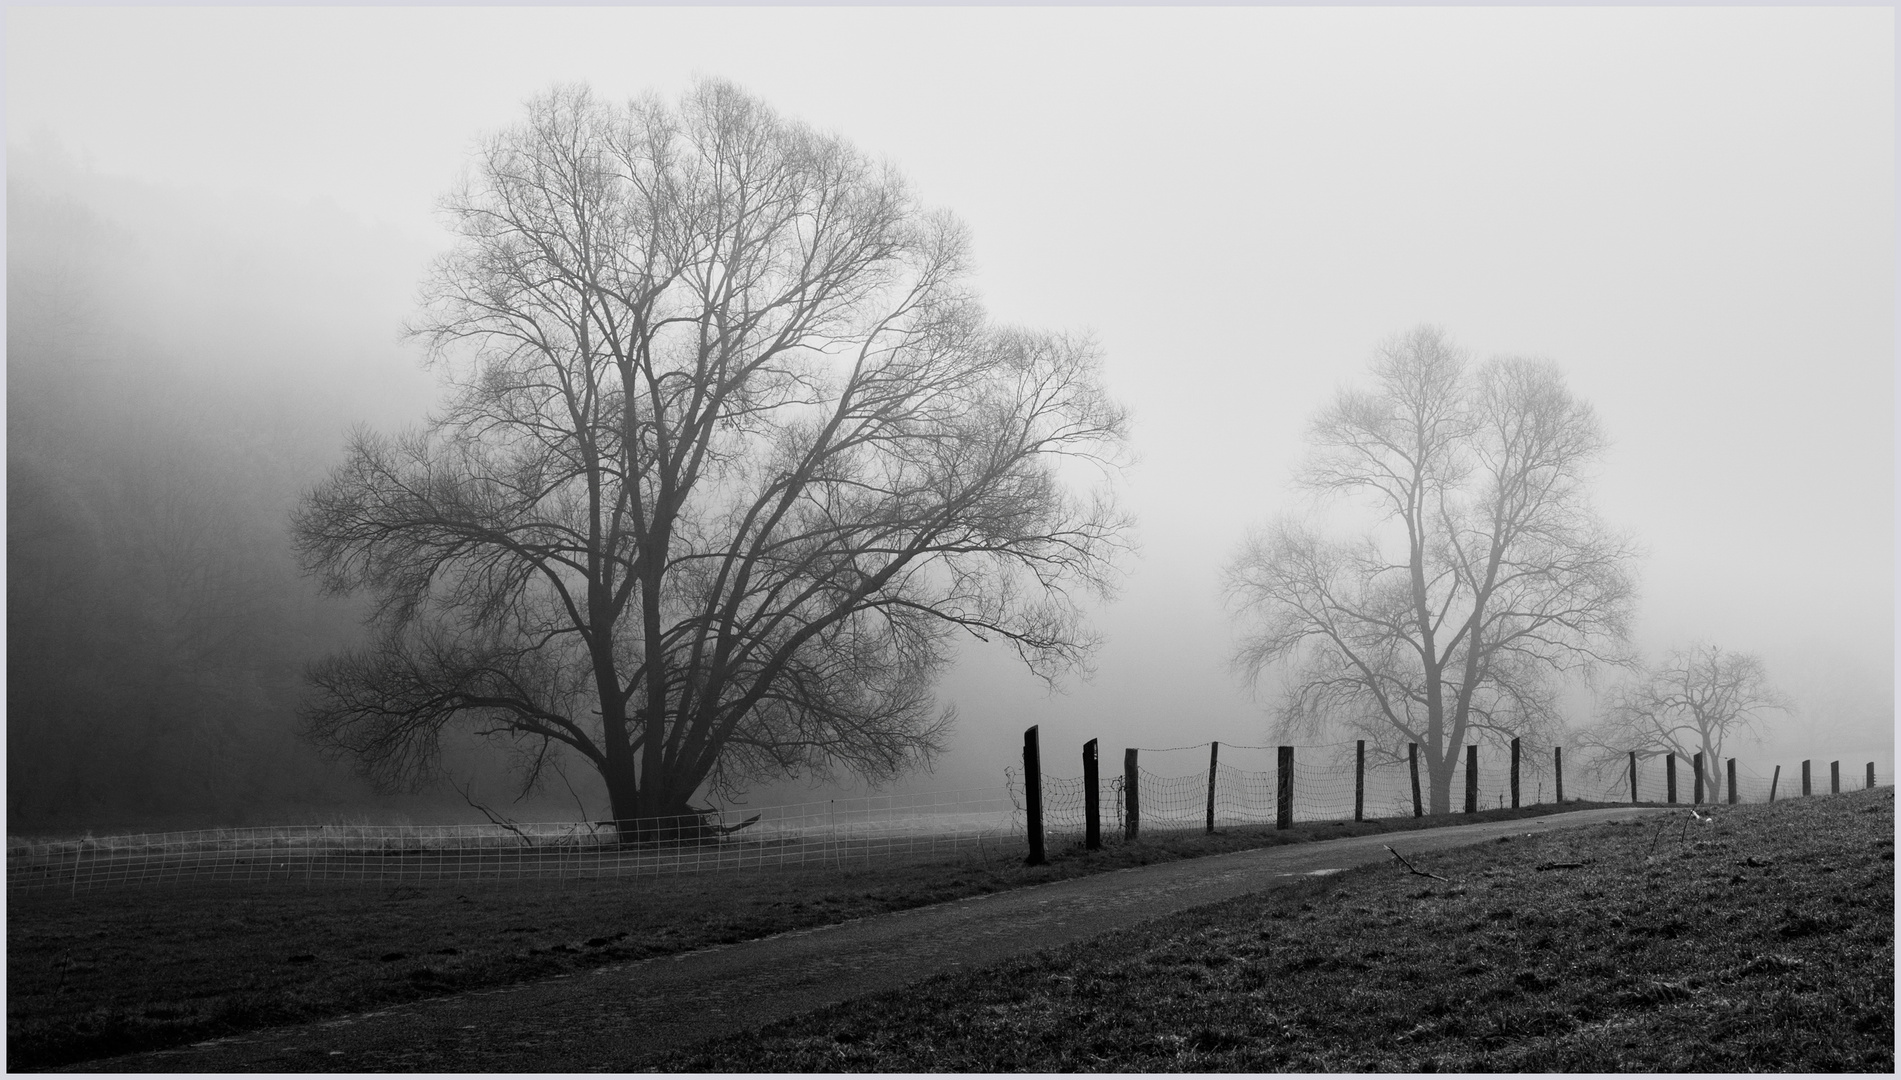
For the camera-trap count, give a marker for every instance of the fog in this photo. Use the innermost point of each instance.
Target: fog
(217, 220)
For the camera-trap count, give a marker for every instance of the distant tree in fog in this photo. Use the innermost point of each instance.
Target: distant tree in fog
(1691, 703)
(731, 453)
(1470, 568)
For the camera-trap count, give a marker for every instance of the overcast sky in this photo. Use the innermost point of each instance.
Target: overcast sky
(1690, 210)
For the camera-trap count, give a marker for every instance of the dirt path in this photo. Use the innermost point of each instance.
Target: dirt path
(611, 1018)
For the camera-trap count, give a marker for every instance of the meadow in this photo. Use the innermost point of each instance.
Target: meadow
(1760, 939)
(114, 970)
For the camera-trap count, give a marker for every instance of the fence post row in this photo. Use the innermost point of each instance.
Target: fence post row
(1696, 786)
(1669, 778)
(1284, 788)
(1834, 778)
(1359, 780)
(1412, 756)
(1092, 799)
(1131, 796)
(1633, 778)
(1557, 763)
(1033, 790)
(1805, 778)
(1514, 772)
(1732, 781)
(1214, 760)
(1472, 778)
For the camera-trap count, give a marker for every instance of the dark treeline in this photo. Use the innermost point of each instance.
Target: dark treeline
(167, 400)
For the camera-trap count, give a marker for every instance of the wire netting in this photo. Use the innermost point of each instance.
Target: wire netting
(1173, 797)
(1247, 784)
(836, 832)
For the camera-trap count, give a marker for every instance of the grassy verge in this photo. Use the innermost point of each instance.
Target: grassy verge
(1761, 942)
(118, 971)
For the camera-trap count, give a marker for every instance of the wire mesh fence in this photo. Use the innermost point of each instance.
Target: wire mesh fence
(836, 832)
(1326, 782)
(1172, 796)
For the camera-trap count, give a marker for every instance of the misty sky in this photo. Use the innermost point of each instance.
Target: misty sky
(1690, 210)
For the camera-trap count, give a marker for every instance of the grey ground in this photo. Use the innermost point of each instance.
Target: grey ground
(612, 1018)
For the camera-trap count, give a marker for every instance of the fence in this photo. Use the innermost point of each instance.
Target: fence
(837, 832)
(1260, 785)
(1251, 785)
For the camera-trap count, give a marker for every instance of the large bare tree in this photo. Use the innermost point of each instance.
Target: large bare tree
(1471, 568)
(1691, 703)
(731, 454)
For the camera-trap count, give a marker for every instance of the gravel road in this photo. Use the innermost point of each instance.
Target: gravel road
(611, 1018)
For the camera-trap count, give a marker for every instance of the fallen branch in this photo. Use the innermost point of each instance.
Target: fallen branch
(1411, 867)
(728, 830)
(493, 820)
(1558, 866)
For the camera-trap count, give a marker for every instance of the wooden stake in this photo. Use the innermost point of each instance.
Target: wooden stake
(1359, 781)
(1033, 790)
(1514, 773)
(1131, 795)
(1092, 799)
(1412, 757)
(1284, 793)
(1214, 760)
(1472, 779)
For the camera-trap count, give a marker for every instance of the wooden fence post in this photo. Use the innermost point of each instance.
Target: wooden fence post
(1871, 776)
(1633, 778)
(1772, 783)
(1696, 786)
(1359, 781)
(1131, 795)
(1284, 788)
(1805, 778)
(1412, 756)
(1732, 781)
(1834, 778)
(1092, 799)
(1557, 764)
(1214, 759)
(1669, 778)
(1033, 790)
(1514, 773)
(1472, 778)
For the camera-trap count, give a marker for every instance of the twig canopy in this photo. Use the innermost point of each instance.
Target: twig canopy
(731, 451)
(1475, 570)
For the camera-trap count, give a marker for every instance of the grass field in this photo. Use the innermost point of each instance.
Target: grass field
(118, 970)
(1761, 942)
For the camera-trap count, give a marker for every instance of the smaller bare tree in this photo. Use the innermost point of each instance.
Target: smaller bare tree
(1691, 703)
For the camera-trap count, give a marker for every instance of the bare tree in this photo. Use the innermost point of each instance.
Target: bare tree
(1480, 573)
(1691, 703)
(731, 454)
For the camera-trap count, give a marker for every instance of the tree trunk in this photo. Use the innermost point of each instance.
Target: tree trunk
(1439, 768)
(649, 812)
